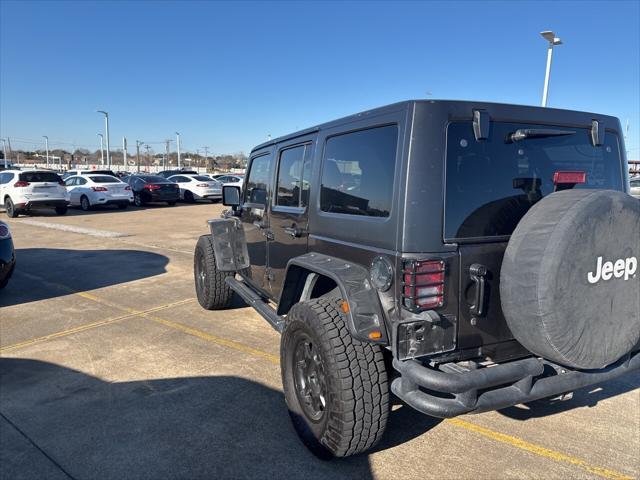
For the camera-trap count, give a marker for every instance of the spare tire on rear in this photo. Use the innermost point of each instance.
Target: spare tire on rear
(570, 284)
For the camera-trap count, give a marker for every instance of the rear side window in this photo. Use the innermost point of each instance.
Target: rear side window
(293, 186)
(34, 177)
(357, 172)
(259, 180)
(5, 178)
(491, 184)
(200, 178)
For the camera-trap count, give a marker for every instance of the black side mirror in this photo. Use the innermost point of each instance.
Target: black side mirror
(230, 196)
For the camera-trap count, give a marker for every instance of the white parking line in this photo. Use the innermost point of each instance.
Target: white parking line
(73, 229)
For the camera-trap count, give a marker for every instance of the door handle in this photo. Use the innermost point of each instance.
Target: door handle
(478, 273)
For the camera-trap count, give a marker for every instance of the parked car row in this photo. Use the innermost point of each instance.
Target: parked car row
(22, 191)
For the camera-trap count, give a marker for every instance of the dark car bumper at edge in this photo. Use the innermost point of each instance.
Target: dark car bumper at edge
(7, 260)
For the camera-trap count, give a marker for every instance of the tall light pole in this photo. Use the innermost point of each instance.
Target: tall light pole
(106, 131)
(124, 153)
(553, 41)
(46, 146)
(178, 144)
(4, 151)
(138, 143)
(101, 149)
(166, 149)
(206, 157)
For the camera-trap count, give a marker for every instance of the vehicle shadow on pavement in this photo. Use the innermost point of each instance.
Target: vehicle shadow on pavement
(584, 397)
(198, 427)
(43, 273)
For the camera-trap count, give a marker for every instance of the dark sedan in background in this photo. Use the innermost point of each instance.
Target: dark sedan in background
(7, 255)
(152, 188)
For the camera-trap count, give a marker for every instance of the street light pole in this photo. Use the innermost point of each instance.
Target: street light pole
(138, 143)
(553, 40)
(4, 150)
(101, 149)
(124, 153)
(106, 131)
(178, 144)
(206, 157)
(46, 146)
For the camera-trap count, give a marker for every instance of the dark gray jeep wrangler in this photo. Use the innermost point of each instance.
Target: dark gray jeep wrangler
(465, 256)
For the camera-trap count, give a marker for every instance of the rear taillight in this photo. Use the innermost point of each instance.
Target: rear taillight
(99, 189)
(569, 177)
(21, 183)
(423, 284)
(203, 185)
(127, 187)
(151, 186)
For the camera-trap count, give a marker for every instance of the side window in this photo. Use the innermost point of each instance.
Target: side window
(5, 178)
(70, 182)
(259, 179)
(80, 181)
(290, 177)
(357, 172)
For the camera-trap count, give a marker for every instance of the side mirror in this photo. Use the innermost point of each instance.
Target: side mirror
(230, 196)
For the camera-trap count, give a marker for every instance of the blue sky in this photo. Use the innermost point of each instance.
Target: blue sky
(226, 75)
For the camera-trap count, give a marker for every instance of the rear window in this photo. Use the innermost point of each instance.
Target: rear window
(492, 183)
(153, 179)
(200, 178)
(34, 177)
(104, 179)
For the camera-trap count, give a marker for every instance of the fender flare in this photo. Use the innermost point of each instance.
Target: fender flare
(365, 313)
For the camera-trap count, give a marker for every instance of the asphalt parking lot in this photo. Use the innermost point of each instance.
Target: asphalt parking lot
(110, 369)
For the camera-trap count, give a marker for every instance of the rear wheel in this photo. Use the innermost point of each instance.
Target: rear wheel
(335, 386)
(138, 200)
(85, 204)
(10, 208)
(211, 289)
(188, 197)
(61, 210)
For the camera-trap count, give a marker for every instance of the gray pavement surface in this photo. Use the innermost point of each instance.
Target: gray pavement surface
(110, 369)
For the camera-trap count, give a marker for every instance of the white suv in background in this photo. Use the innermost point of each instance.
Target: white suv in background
(24, 190)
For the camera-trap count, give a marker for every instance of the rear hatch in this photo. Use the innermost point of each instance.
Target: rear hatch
(42, 185)
(114, 187)
(490, 185)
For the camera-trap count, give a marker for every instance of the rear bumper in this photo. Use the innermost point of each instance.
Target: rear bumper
(447, 394)
(37, 204)
(164, 197)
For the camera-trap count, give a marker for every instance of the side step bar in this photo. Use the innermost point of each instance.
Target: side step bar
(257, 302)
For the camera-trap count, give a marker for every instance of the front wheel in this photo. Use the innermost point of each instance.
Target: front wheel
(335, 386)
(211, 289)
(137, 200)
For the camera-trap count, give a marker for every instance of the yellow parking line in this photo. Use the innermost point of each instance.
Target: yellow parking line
(538, 450)
(275, 360)
(88, 326)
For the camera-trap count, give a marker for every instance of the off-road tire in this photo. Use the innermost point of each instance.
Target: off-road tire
(211, 289)
(61, 210)
(85, 204)
(12, 212)
(357, 396)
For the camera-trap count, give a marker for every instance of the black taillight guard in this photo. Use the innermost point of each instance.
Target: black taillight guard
(410, 297)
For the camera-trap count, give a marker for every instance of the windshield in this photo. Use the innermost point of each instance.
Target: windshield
(492, 183)
(35, 177)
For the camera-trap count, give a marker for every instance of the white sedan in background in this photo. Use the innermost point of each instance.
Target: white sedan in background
(87, 191)
(231, 179)
(197, 187)
(634, 184)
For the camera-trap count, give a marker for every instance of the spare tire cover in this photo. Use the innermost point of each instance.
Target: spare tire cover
(570, 279)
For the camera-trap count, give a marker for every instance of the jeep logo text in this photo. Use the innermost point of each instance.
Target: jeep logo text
(626, 267)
